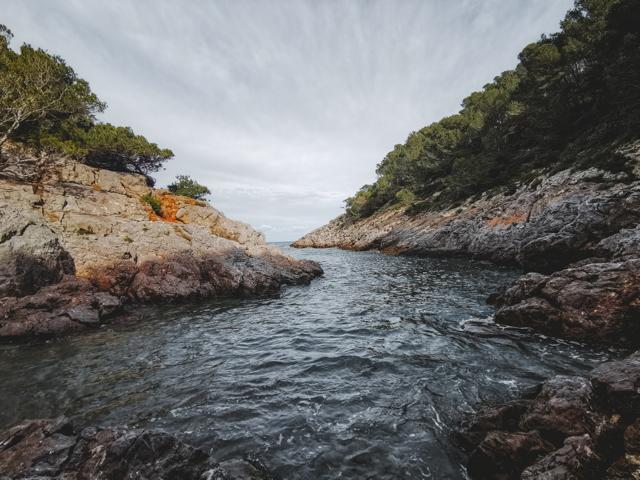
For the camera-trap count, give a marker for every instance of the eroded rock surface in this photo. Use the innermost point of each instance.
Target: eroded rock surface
(55, 449)
(572, 428)
(74, 233)
(542, 226)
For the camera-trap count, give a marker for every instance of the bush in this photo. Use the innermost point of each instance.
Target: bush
(186, 186)
(153, 202)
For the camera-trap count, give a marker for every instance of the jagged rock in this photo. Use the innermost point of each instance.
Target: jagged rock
(575, 428)
(596, 302)
(576, 460)
(561, 409)
(543, 226)
(617, 385)
(54, 449)
(73, 304)
(504, 455)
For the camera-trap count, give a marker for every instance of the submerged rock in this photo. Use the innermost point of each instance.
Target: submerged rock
(55, 449)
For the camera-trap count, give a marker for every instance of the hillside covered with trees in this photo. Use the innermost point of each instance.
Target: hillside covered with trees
(572, 100)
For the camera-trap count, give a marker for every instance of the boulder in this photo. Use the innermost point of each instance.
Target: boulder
(31, 254)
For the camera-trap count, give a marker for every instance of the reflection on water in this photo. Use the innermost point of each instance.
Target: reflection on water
(360, 374)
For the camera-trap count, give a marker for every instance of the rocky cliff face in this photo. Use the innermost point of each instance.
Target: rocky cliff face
(77, 242)
(542, 226)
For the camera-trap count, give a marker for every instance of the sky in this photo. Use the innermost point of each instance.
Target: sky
(282, 108)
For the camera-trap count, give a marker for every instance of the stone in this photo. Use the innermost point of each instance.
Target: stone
(616, 385)
(575, 460)
(31, 253)
(594, 302)
(504, 455)
(561, 409)
(91, 223)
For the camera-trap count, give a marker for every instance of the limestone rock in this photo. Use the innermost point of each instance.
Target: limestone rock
(76, 219)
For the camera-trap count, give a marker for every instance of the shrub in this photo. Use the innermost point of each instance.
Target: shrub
(186, 186)
(153, 202)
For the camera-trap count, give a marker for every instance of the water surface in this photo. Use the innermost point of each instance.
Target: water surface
(359, 375)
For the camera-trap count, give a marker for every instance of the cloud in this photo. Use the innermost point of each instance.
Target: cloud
(282, 108)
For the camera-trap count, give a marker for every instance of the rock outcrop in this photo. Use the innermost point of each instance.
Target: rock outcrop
(571, 428)
(55, 449)
(77, 242)
(544, 225)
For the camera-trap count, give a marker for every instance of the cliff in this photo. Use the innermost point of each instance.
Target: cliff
(77, 243)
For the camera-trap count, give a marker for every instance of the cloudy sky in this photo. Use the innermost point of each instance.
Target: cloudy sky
(282, 107)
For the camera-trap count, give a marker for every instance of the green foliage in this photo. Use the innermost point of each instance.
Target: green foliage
(153, 202)
(572, 99)
(44, 104)
(186, 186)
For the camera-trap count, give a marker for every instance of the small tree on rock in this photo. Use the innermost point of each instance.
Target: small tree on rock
(186, 186)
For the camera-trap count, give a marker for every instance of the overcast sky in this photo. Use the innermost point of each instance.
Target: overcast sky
(282, 107)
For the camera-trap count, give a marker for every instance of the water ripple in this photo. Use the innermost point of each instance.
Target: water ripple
(359, 375)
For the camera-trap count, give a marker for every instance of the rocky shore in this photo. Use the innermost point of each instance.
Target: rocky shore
(78, 243)
(576, 232)
(577, 236)
(572, 427)
(56, 449)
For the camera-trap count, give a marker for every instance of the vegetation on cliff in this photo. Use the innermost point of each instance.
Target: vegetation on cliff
(46, 106)
(573, 98)
(186, 186)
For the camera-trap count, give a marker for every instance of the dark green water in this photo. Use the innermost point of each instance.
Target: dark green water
(359, 375)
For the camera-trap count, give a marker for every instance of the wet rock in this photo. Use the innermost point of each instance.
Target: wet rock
(576, 460)
(504, 455)
(496, 418)
(596, 302)
(616, 385)
(73, 304)
(47, 449)
(561, 409)
(589, 427)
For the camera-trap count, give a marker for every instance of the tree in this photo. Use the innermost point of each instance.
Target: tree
(186, 186)
(36, 87)
(120, 149)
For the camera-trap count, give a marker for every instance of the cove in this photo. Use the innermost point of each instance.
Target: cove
(361, 374)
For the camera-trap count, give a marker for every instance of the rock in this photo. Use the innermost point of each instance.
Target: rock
(47, 449)
(576, 460)
(541, 227)
(616, 385)
(561, 409)
(495, 418)
(582, 428)
(595, 302)
(504, 455)
(92, 223)
(31, 255)
(73, 304)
